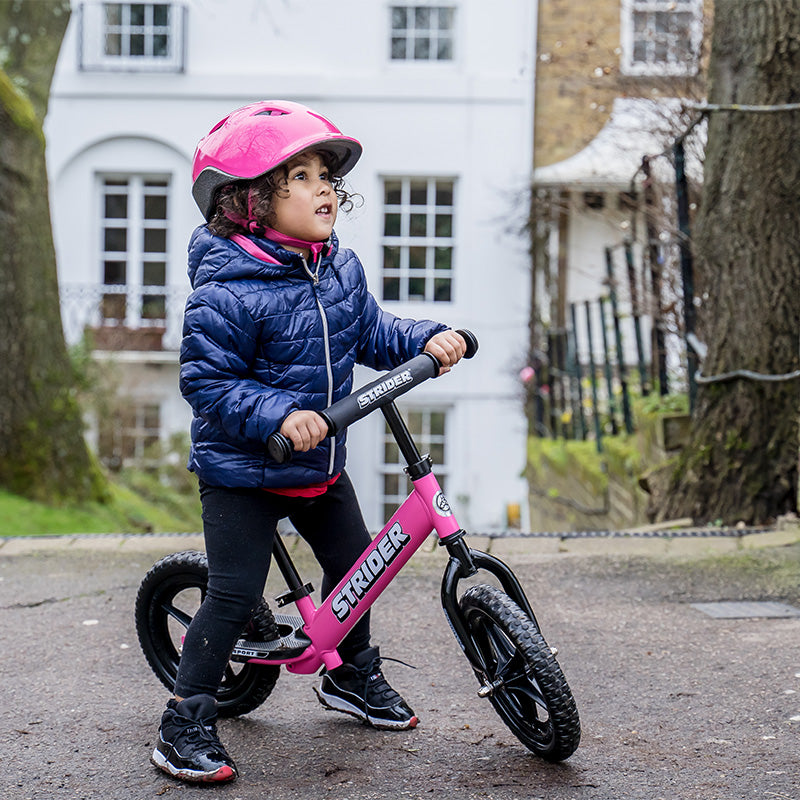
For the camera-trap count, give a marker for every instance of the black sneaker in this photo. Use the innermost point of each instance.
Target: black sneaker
(361, 690)
(188, 747)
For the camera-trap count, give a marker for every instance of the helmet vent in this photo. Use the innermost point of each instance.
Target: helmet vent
(271, 112)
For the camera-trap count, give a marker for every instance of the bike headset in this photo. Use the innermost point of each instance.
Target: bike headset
(256, 138)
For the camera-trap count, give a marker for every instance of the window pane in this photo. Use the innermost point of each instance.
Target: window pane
(391, 484)
(391, 225)
(437, 423)
(446, 19)
(398, 49)
(113, 13)
(422, 49)
(444, 193)
(155, 207)
(414, 422)
(391, 453)
(137, 44)
(418, 225)
(112, 306)
(419, 193)
(391, 258)
(113, 44)
(160, 45)
(391, 288)
(444, 225)
(116, 206)
(441, 290)
(399, 17)
(154, 306)
(422, 17)
(114, 272)
(392, 193)
(155, 240)
(154, 273)
(161, 14)
(416, 288)
(436, 452)
(416, 257)
(442, 258)
(115, 239)
(444, 50)
(137, 13)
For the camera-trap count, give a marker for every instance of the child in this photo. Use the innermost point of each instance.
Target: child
(277, 320)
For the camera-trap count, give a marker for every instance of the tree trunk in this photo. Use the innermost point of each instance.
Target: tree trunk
(742, 463)
(43, 454)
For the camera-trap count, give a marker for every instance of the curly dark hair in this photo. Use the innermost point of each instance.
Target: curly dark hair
(253, 198)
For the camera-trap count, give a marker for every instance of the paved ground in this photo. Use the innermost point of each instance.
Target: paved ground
(674, 703)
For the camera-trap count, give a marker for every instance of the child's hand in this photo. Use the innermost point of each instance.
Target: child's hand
(448, 347)
(305, 429)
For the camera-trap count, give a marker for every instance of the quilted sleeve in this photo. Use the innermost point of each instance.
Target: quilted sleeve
(217, 351)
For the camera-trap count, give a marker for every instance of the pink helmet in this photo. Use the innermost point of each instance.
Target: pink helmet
(259, 137)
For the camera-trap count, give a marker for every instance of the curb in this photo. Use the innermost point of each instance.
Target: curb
(676, 542)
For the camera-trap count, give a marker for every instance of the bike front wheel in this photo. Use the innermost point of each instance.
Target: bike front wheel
(168, 598)
(520, 675)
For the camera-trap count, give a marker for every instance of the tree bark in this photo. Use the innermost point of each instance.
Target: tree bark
(742, 463)
(43, 454)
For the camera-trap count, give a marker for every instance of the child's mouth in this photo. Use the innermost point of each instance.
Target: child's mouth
(323, 211)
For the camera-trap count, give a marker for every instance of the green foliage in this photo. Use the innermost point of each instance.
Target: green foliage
(137, 503)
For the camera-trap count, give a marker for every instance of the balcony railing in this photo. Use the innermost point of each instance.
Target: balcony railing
(142, 318)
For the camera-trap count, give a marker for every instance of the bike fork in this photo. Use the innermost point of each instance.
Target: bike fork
(465, 562)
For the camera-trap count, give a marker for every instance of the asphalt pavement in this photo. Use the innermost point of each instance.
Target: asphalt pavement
(674, 702)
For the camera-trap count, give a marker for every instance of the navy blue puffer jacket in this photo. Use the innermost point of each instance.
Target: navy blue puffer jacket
(261, 340)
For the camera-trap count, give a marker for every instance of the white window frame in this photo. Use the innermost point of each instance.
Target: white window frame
(135, 257)
(408, 246)
(432, 35)
(94, 27)
(424, 442)
(652, 66)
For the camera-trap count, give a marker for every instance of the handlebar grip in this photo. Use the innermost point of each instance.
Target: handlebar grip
(471, 340)
(279, 447)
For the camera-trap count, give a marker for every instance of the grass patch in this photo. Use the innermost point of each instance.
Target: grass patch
(139, 503)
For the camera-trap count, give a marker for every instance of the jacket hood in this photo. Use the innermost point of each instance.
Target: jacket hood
(215, 258)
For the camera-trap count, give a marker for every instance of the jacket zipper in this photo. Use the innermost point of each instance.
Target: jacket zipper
(328, 366)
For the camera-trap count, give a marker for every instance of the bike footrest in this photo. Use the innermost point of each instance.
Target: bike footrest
(291, 642)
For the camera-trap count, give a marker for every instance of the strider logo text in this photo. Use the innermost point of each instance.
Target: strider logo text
(382, 388)
(364, 578)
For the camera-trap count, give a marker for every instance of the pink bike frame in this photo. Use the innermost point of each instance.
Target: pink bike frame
(422, 512)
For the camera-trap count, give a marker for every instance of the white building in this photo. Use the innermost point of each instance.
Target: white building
(439, 93)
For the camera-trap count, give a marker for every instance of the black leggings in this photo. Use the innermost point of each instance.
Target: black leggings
(239, 526)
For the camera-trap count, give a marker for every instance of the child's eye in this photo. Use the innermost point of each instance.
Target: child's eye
(301, 176)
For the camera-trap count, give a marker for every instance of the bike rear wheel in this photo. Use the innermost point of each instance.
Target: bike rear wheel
(520, 674)
(168, 598)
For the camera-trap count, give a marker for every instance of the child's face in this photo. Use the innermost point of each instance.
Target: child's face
(306, 207)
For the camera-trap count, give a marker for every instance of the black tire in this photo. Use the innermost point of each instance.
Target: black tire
(168, 597)
(530, 692)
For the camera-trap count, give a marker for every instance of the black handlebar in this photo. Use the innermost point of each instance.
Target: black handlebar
(363, 401)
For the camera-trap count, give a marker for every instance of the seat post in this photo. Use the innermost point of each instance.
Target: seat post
(418, 465)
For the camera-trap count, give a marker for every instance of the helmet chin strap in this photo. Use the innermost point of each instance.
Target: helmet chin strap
(282, 238)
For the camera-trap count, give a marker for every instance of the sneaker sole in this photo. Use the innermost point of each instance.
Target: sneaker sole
(337, 704)
(222, 775)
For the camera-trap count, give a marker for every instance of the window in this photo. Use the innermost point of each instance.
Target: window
(417, 241)
(422, 33)
(129, 434)
(661, 37)
(132, 36)
(427, 427)
(134, 250)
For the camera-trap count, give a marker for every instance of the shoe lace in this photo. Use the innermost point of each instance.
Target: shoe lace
(375, 684)
(199, 733)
